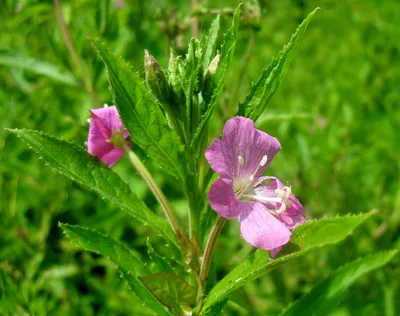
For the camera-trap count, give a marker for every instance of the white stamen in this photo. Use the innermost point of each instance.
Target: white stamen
(282, 209)
(105, 105)
(251, 178)
(108, 140)
(263, 161)
(240, 161)
(88, 120)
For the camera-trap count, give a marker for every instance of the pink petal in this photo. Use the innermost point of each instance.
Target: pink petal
(218, 160)
(97, 126)
(275, 251)
(97, 143)
(109, 116)
(260, 228)
(241, 138)
(111, 157)
(222, 199)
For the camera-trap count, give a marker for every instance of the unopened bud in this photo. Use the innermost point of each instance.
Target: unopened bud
(200, 79)
(155, 78)
(209, 83)
(178, 96)
(212, 69)
(173, 62)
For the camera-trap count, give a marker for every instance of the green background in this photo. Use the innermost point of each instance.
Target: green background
(335, 114)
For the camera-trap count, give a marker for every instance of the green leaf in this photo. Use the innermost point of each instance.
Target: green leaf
(142, 115)
(312, 234)
(170, 289)
(191, 71)
(38, 67)
(262, 91)
(127, 262)
(158, 262)
(326, 295)
(75, 163)
(209, 42)
(227, 52)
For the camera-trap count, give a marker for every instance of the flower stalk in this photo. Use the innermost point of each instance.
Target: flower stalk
(206, 261)
(145, 174)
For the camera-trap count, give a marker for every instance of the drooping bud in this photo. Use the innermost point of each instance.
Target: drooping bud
(209, 82)
(155, 78)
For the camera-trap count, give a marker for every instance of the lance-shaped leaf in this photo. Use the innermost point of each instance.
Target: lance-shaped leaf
(312, 234)
(262, 91)
(142, 115)
(39, 67)
(209, 42)
(326, 295)
(74, 162)
(227, 52)
(129, 264)
(170, 289)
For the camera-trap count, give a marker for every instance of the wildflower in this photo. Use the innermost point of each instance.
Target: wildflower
(107, 135)
(267, 210)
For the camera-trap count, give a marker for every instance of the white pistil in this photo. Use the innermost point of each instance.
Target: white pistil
(88, 120)
(242, 190)
(262, 198)
(105, 105)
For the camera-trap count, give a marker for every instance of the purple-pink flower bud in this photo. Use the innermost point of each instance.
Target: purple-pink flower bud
(107, 135)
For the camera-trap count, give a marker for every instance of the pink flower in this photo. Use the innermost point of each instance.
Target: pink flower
(267, 209)
(107, 135)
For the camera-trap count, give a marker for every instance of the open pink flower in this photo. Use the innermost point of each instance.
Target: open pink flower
(267, 209)
(107, 135)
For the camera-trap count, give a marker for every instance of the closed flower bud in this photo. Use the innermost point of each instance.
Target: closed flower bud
(155, 78)
(177, 94)
(209, 82)
(200, 79)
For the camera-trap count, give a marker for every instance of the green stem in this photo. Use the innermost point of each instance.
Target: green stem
(145, 174)
(206, 262)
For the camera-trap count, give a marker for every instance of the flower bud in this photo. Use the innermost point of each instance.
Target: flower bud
(209, 82)
(178, 96)
(200, 79)
(155, 78)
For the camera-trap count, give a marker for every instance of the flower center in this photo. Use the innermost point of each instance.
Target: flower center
(117, 138)
(277, 201)
(243, 185)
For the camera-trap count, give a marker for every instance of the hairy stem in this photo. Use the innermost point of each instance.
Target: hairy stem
(206, 262)
(75, 58)
(145, 174)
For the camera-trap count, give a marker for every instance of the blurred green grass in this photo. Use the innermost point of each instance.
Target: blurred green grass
(336, 116)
